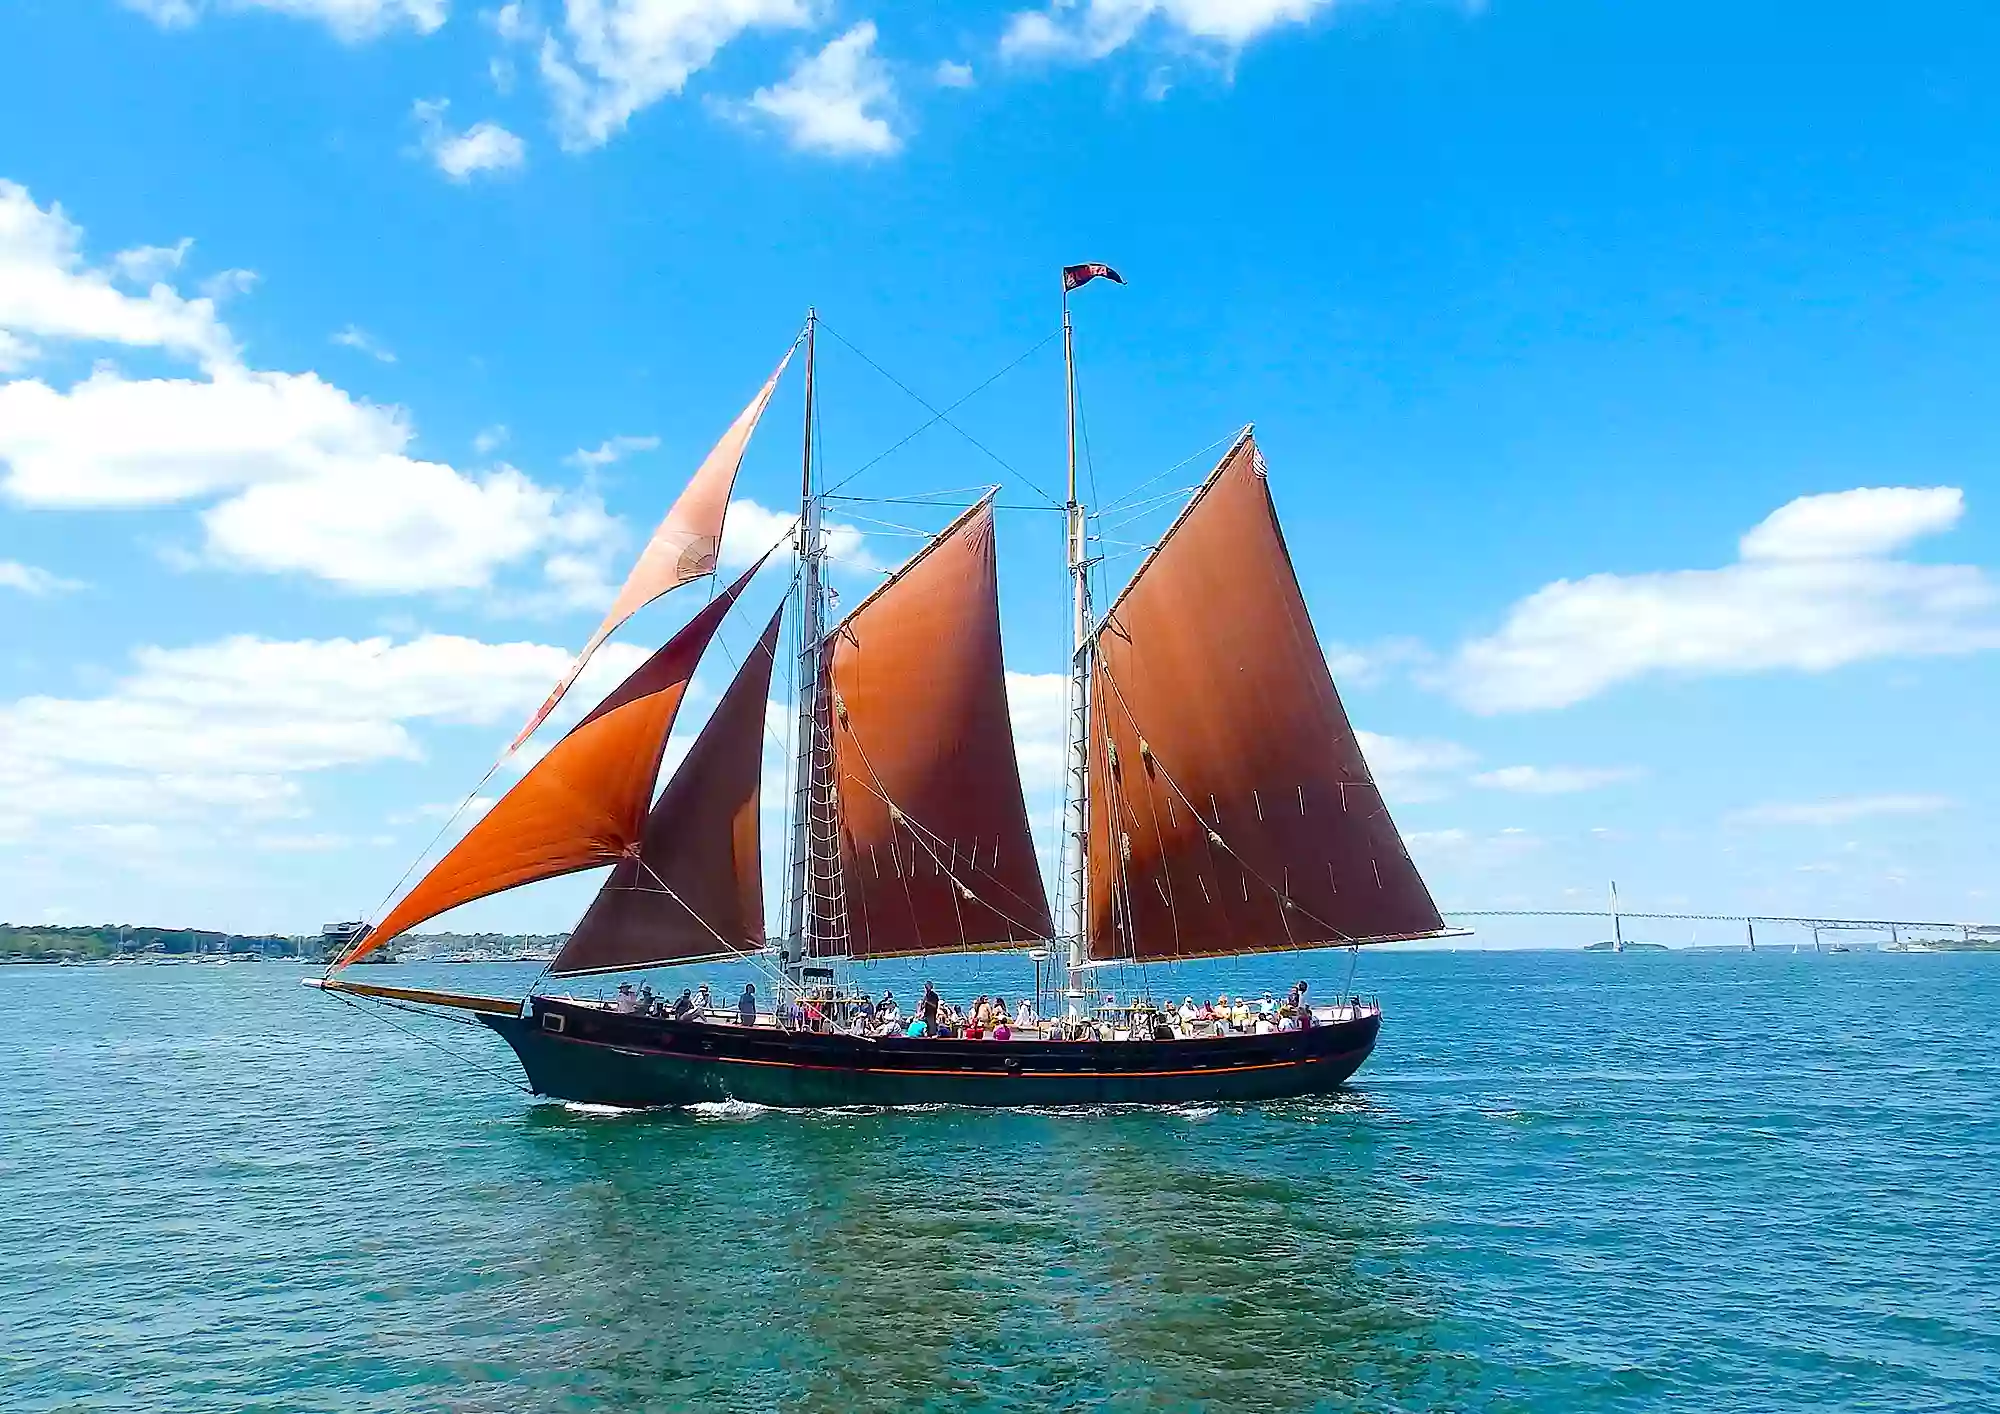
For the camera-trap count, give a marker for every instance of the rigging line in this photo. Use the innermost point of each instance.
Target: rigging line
(1139, 510)
(1215, 834)
(1129, 495)
(922, 498)
(421, 1039)
(917, 830)
(939, 417)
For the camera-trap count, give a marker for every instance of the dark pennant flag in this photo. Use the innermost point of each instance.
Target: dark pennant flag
(1075, 275)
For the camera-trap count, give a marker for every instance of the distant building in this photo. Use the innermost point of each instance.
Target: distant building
(337, 938)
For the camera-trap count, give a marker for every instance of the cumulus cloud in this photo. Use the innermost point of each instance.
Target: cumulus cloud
(612, 58)
(1093, 29)
(48, 291)
(1555, 780)
(750, 529)
(951, 74)
(228, 728)
(1816, 588)
(33, 581)
(351, 20)
(834, 101)
(1841, 810)
(1411, 769)
(291, 473)
(461, 156)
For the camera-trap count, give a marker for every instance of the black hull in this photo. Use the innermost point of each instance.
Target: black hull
(586, 1054)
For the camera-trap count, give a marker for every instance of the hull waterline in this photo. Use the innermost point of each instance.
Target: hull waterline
(584, 1054)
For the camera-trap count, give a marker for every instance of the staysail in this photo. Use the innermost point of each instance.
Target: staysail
(685, 545)
(1230, 808)
(695, 888)
(935, 851)
(583, 804)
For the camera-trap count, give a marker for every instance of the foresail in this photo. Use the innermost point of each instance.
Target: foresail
(935, 851)
(1230, 808)
(695, 889)
(583, 804)
(684, 547)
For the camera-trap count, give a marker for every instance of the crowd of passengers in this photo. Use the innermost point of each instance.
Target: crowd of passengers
(986, 1018)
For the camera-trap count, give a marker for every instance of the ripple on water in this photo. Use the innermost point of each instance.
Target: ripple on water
(1704, 1182)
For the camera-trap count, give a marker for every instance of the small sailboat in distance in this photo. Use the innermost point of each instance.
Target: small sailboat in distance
(1217, 803)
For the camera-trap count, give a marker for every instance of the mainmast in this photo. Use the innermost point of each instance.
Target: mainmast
(1076, 790)
(811, 621)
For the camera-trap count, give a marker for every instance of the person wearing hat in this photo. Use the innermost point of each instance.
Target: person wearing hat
(628, 1000)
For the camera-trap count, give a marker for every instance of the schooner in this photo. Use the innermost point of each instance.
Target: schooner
(1216, 803)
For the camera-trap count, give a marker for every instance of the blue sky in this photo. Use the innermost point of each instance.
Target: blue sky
(1623, 371)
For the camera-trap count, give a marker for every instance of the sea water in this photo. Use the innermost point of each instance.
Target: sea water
(1564, 1182)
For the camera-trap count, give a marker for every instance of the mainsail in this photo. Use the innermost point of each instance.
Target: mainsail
(694, 889)
(935, 851)
(1230, 808)
(685, 545)
(583, 804)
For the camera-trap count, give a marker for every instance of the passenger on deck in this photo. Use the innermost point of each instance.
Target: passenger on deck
(930, 1008)
(627, 1000)
(1024, 1014)
(1001, 1030)
(648, 1003)
(703, 1002)
(1289, 1021)
(746, 1005)
(918, 1027)
(1265, 1026)
(683, 1005)
(887, 1010)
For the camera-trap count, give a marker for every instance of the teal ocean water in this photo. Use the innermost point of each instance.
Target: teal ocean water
(1564, 1182)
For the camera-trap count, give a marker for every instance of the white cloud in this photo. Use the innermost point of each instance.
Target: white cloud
(1814, 591)
(361, 341)
(748, 530)
(296, 474)
(1410, 769)
(1554, 780)
(615, 57)
(351, 20)
(1841, 810)
(35, 582)
(951, 74)
(1366, 664)
(1872, 520)
(833, 100)
(611, 450)
(226, 728)
(1038, 705)
(144, 264)
(1094, 28)
(47, 291)
(114, 441)
(483, 147)
(490, 438)
(396, 525)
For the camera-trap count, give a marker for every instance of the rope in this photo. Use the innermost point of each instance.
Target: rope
(937, 416)
(422, 1039)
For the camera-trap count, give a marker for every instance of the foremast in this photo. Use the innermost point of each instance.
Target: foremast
(812, 788)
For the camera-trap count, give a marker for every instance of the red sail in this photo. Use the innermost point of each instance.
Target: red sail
(935, 852)
(1230, 808)
(685, 545)
(696, 887)
(583, 804)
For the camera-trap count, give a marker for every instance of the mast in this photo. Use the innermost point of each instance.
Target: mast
(811, 621)
(1076, 791)
(1617, 924)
